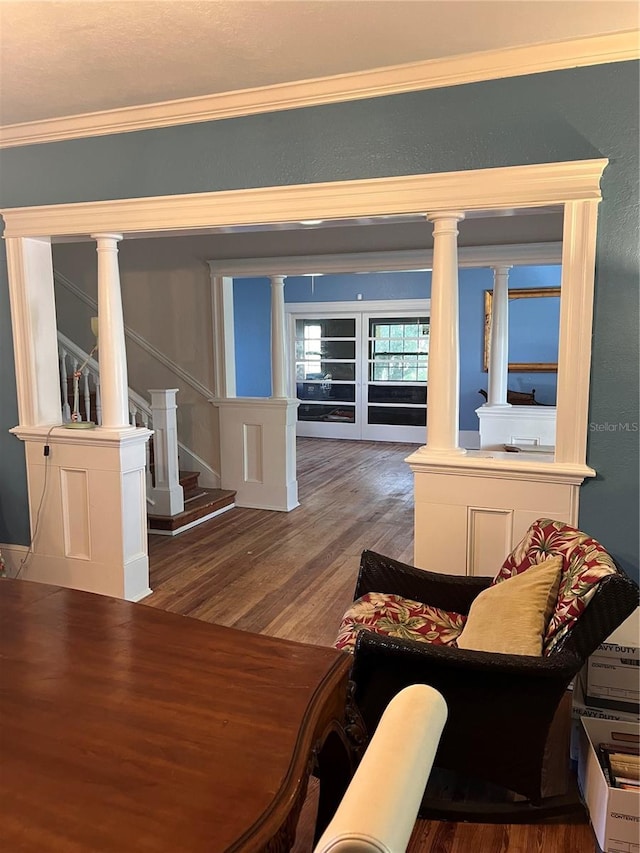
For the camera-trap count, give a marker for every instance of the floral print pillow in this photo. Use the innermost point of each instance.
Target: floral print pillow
(400, 617)
(585, 563)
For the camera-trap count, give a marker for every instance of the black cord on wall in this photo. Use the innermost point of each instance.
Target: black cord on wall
(47, 456)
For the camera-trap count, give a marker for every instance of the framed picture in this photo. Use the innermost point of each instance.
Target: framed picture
(524, 293)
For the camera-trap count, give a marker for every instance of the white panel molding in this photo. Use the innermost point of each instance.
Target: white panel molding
(74, 490)
(393, 261)
(458, 518)
(489, 537)
(395, 79)
(144, 344)
(480, 189)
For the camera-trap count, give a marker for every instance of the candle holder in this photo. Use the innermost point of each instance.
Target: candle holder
(76, 421)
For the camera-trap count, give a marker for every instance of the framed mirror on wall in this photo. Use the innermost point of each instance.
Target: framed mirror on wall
(533, 329)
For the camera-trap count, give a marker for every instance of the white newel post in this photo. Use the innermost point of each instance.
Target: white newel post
(499, 339)
(111, 345)
(167, 494)
(278, 345)
(443, 382)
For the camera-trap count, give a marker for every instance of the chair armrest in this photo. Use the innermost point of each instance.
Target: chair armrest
(430, 656)
(489, 689)
(448, 592)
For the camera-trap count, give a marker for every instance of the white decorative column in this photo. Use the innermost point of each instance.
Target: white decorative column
(498, 366)
(278, 344)
(443, 383)
(112, 352)
(167, 495)
(33, 319)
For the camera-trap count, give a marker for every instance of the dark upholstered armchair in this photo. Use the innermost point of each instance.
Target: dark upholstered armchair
(404, 626)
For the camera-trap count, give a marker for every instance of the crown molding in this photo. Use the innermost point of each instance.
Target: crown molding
(479, 189)
(392, 80)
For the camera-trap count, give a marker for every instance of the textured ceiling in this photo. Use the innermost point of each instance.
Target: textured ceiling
(71, 57)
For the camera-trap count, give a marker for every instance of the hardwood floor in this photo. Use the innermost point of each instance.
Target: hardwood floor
(292, 575)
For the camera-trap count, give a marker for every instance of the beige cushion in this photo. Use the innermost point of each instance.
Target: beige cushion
(511, 617)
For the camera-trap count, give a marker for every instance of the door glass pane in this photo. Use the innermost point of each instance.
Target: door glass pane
(397, 416)
(343, 371)
(320, 391)
(339, 349)
(331, 327)
(328, 413)
(415, 394)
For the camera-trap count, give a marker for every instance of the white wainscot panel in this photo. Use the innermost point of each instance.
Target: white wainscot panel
(252, 453)
(258, 451)
(467, 520)
(489, 539)
(532, 426)
(75, 513)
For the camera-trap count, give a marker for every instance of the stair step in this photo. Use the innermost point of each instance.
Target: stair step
(189, 482)
(209, 503)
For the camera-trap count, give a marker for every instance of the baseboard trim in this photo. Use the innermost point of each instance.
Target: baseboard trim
(191, 524)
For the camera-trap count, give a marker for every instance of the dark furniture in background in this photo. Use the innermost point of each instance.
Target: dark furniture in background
(518, 398)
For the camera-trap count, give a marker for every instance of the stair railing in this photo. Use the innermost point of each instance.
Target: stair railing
(164, 492)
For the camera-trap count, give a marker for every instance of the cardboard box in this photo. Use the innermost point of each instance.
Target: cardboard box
(613, 671)
(580, 709)
(613, 685)
(614, 813)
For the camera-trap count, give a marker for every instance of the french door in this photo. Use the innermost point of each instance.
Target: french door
(361, 374)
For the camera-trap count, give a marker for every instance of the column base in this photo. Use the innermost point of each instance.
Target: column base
(439, 452)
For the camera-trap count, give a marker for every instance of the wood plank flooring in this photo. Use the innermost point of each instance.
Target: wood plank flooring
(292, 575)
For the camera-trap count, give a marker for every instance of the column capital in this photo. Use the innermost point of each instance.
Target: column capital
(277, 279)
(438, 215)
(501, 268)
(107, 236)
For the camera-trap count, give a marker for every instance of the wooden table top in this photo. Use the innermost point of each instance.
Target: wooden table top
(127, 728)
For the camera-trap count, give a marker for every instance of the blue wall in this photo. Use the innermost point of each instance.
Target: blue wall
(252, 328)
(252, 332)
(573, 114)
